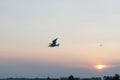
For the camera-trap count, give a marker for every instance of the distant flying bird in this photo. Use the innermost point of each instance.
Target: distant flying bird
(53, 44)
(100, 45)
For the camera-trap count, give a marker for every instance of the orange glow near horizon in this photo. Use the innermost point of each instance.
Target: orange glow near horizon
(100, 67)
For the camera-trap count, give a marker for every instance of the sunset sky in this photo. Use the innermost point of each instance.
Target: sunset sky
(88, 32)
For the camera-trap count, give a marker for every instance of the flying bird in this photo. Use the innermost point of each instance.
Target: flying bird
(54, 43)
(100, 45)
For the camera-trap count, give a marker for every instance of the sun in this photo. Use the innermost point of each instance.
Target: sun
(100, 67)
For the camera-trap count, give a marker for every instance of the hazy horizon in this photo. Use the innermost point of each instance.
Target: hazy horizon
(88, 32)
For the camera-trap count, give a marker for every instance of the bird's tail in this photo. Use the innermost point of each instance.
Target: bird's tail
(57, 44)
(49, 45)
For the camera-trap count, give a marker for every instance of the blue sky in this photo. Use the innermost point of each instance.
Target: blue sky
(28, 26)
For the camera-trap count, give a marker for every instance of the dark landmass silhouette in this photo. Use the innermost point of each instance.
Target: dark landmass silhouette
(71, 77)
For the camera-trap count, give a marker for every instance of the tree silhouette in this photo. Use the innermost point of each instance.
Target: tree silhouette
(107, 78)
(48, 78)
(116, 77)
(71, 77)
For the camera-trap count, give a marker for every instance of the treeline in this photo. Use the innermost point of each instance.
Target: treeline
(71, 77)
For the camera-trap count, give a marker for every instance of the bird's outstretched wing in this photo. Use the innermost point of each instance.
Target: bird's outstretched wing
(54, 41)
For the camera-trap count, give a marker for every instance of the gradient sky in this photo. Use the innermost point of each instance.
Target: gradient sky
(28, 26)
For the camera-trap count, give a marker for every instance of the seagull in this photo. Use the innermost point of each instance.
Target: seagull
(53, 44)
